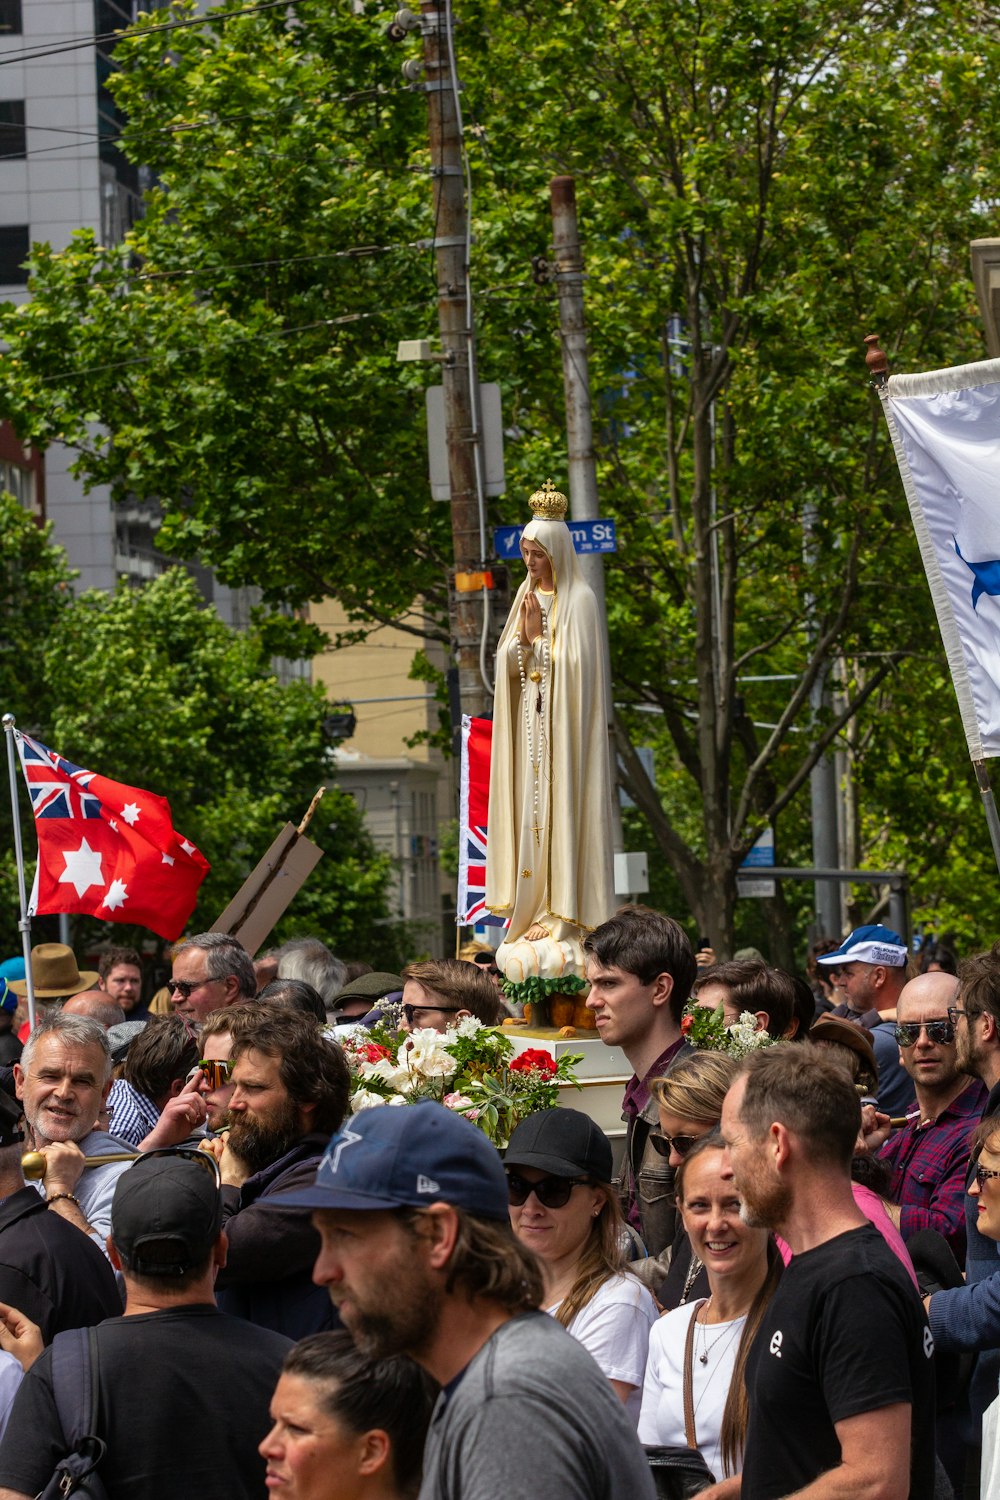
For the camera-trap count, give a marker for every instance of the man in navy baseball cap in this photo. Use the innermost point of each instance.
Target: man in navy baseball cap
(419, 1257)
(387, 1158)
(870, 967)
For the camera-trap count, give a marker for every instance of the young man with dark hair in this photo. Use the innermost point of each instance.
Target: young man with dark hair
(747, 984)
(153, 1103)
(412, 1208)
(184, 1390)
(841, 1370)
(641, 967)
(290, 1089)
(119, 975)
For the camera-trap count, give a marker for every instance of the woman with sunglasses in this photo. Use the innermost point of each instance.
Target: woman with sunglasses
(564, 1208)
(704, 1345)
(689, 1099)
(346, 1427)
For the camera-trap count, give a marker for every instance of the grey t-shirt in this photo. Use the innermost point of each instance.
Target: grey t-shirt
(533, 1415)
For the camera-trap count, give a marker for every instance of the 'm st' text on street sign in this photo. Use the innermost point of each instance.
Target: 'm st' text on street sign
(588, 536)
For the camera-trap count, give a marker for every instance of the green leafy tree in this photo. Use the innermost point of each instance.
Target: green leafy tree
(151, 688)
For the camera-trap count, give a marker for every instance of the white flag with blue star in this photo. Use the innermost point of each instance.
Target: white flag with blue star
(945, 428)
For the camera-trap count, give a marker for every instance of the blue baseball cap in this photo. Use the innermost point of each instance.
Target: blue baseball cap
(8, 1000)
(407, 1157)
(873, 944)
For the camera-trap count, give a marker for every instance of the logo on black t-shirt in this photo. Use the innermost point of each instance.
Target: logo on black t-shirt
(928, 1343)
(775, 1344)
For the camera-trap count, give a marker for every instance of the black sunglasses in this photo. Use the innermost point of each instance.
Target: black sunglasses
(680, 1143)
(444, 1010)
(983, 1175)
(204, 1159)
(551, 1192)
(907, 1033)
(186, 987)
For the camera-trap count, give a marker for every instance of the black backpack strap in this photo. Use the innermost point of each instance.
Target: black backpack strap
(76, 1391)
(73, 1383)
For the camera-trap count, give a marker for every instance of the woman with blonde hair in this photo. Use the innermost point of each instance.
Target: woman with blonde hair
(563, 1207)
(689, 1099)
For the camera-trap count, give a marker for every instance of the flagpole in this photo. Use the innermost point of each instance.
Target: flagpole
(25, 923)
(989, 807)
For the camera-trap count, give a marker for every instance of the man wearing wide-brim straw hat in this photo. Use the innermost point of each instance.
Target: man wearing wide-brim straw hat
(55, 974)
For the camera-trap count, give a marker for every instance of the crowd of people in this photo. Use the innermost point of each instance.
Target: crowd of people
(781, 1279)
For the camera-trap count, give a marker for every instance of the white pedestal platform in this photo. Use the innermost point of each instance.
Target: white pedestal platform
(602, 1074)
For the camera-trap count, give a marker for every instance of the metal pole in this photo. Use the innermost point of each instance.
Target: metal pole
(823, 788)
(989, 807)
(25, 922)
(583, 500)
(462, 427)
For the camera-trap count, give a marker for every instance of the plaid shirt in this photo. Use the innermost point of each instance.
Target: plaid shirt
(929, 1163)
(131, 1115)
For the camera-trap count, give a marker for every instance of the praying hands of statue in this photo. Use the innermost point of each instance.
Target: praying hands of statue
(529, 625)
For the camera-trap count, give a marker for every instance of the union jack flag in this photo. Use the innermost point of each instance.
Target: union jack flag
(56, 787)
(474, 798)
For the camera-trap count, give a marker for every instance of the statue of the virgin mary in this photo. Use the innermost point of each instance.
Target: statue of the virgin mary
(549, 848)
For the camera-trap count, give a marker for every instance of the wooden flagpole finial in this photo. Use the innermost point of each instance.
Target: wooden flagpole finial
(875, 359)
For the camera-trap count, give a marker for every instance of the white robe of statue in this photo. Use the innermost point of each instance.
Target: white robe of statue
(549, 847)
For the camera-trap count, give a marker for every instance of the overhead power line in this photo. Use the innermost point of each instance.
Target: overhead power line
(77, 43)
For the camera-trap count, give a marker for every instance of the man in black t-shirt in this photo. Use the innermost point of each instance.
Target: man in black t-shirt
(840, 1374)
(184, 1389)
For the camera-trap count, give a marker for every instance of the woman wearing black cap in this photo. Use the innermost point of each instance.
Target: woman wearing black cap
(563, 1207)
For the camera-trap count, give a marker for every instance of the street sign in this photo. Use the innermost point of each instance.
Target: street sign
(588, 537)
(760, 856)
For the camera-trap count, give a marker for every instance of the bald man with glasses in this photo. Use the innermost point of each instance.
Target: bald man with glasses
(929, 1156)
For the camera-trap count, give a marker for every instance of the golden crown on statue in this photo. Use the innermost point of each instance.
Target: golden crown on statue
(548, 504)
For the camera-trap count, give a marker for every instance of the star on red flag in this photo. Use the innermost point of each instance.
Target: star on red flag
(106, 850)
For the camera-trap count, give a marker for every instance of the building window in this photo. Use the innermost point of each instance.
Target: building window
(13, 137)
(10, 18)
(18, 482)
(13, 253)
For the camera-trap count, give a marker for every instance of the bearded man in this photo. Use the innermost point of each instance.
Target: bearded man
(843, 1343)
(290, 1088)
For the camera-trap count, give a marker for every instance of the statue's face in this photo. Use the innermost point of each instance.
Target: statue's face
(536, 560)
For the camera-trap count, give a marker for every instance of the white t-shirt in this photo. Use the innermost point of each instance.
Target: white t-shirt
(661, 1419)
(614, 1328)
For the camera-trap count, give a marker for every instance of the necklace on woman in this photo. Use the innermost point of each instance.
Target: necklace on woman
(539, 678)
(689, 1279)
(727, 1331)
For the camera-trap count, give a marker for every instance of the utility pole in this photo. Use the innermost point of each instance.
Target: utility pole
(583, 503)
(823, 786)
(463, 425)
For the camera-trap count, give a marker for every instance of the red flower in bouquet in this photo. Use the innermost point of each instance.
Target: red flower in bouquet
(372, 1052)
(686, 1023)
(534, 1057)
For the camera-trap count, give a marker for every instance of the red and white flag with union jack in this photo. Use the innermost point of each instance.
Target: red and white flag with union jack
(106, 850)
(474, 801)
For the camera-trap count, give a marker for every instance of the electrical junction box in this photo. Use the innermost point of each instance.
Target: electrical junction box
(631, 874)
